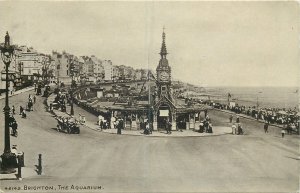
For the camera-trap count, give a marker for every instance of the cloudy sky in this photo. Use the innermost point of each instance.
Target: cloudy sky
(210, 43)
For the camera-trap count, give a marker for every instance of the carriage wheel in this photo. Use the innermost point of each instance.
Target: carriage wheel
(78, 131)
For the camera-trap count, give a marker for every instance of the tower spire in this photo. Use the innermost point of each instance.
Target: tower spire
(163, 51)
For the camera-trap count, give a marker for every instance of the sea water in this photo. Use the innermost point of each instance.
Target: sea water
(269, 97)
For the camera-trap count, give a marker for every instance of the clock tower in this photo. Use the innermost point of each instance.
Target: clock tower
(163, 72)
(164, 108)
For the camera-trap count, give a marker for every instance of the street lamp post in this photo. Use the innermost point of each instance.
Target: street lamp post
(8, 158)
(72, 106)
(257, 102)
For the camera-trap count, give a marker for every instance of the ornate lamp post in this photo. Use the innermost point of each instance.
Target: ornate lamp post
(72, 105)
(8, 158)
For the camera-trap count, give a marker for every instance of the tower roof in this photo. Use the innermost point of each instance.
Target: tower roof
(163, 50)
(163, 62)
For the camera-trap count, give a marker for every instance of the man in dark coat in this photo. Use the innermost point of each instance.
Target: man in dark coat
(201, 127)
(14, 127)
(120, 127)
(168, 126)
(205, 126)
(13, 110)
(240, 130)
(21, 110)
(237, 119)
(266, 125)
(101, 124)
(230, 118)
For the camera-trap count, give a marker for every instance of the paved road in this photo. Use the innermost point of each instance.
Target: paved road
(255, 162)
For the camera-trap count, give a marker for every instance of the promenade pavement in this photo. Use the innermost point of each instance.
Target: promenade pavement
(254, 162)
(186, 133)
(2, 96)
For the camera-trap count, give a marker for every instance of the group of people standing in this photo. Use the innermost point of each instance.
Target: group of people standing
(29, 106)
(14, 125)
(12, 121)
(206, 126)
(114, 122)
(237, 128)
(103, 123)
(145, 126)
(288, 128)
(119, 124)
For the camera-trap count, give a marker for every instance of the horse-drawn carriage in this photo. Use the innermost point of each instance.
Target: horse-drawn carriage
(66, 123)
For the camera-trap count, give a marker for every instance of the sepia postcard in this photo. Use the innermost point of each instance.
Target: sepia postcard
(149, 96)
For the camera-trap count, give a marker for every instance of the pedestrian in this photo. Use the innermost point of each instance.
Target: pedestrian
(13, 110)
(34, 99)
(201, 127)
(289, 128)
(21, 110)
(282, 132)
(99, 119)
(112, 122)
(237, 119)
(210, 128)
(147, 129)
(14, 128)
(80, 119)
(24, 114)
(233, 129)
(101, 124)
(51, 107)
(206, 126)
(168, 126)
(120, 127)
(230, 118)
(207, 118)
(83, 119)
(240, 129)
(266, 125)
(104, 125)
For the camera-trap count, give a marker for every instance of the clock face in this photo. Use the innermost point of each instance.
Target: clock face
(164, 76)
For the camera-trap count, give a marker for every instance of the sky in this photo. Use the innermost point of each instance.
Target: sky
(209, 43)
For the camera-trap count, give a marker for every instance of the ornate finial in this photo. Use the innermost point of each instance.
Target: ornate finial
(7, 43)
(163, 51)
(164, 35)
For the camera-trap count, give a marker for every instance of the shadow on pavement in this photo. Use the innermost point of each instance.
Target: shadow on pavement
(298, 158)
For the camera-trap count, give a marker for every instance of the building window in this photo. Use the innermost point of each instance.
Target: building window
(67, 72)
